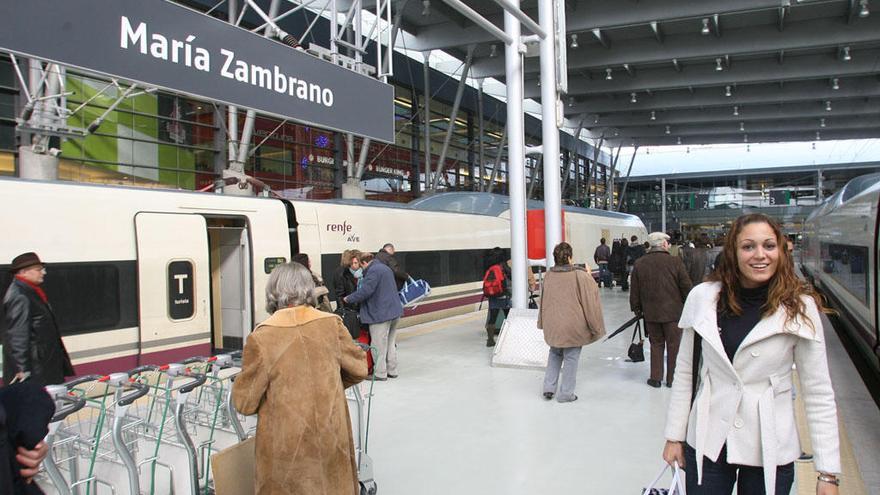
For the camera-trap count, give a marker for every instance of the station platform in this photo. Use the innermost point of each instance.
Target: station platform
(451, 423)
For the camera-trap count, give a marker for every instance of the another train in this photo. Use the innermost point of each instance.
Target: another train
(840, 255)
(140, 276)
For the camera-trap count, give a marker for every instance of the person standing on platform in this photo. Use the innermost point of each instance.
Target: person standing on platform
(321, 295)
(345, 280)
(381, 309)
(744, 329)
(602, 256)
(660, 285)
(497, 289)
(695, 259)
(386, 255)
(32, 345)
(571, 317)
(634, 251)
(626, 267)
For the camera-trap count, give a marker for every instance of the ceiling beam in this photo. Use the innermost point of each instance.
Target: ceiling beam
(658, 31)
(602, 14)
(795, 91)
(693, 46)
(744, 72)
(602, 38)
(772, 137)
(858, 122)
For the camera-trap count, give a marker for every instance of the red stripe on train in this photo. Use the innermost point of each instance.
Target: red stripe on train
(441, 305)
(125, 363)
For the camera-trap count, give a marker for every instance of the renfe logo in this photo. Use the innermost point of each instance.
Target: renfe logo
(345, 229)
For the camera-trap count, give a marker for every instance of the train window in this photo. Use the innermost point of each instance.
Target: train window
(848, 265)
(427, 265)
(89, 297)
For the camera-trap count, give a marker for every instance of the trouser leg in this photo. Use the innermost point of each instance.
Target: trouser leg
(673, 341)
(551, 376)
(379, 334)
(570, 360)
(490, 327)
(658, 345)
(718, 477)
(392, 346)
(751, 480)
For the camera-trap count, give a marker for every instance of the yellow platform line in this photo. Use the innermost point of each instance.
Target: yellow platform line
(851, 482)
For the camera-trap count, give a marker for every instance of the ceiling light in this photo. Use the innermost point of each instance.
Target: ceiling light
(493, 51)
(822, 123)
(608, 75)
(718, 66)
(827, 105)
(678, 140)
(835, 84)
(748, 148)
(846, 55)
(596, 119)
(745, 138)
(574, 42)
(742, 126)
(727, 91)
(864, 12)
(735, 110)
(818, 135)
(705, 29)
(667, 130)
(688, 149)
(571, 101)
(653, 115)
(632, 98)
(426, 8)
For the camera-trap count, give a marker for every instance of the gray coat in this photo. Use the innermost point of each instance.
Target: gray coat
(377, 295)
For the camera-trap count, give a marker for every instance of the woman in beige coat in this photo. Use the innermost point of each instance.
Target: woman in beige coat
(749, 324)
(296, 366)
(571, 317)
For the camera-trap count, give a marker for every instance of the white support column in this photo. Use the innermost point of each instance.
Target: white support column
(515, 157)
(481, 145)
(550, 132)
(663, 204)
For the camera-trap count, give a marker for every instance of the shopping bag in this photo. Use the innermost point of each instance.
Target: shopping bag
(233, 469)
(414, 291)
(636, 350)
(351, 320)
(676, 487)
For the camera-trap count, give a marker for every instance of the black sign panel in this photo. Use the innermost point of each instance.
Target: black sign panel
(159, 43)
(779, 197)
(181, 296)
(701, 201)
(269, 264)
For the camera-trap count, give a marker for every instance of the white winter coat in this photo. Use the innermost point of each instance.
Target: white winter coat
(748, 404)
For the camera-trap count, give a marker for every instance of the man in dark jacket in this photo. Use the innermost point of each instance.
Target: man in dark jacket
(659, 287)
(602, 256)
(386, 256)
(381, 309)
(32, 346)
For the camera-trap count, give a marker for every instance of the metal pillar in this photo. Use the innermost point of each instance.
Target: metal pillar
(414, 145)
(591, 172)
(819, 193)
(626, 182)
(426, 73)
(513, 63)
(450, 128)
(481, 145)
(550, 131)
(663, 204)
(609, 180)
(497, 163)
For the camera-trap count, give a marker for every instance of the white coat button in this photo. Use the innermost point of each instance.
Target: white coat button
(738, 423)
(755, 353)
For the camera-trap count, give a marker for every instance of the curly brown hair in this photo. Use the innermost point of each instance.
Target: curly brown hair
(785, 288)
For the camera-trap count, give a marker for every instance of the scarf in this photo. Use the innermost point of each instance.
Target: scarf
(35, 287)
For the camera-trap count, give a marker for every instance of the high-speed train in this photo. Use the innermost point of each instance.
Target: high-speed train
(144, 276)
(840, 255)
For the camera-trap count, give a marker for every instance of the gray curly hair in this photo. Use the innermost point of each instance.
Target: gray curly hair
(289, 284)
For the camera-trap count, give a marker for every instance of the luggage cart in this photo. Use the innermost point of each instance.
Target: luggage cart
(361, 397)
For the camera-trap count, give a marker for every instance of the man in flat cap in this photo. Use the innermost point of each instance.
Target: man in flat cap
(32, 346)
(658, 289)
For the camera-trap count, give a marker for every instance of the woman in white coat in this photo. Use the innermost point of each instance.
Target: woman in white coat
(746, 326)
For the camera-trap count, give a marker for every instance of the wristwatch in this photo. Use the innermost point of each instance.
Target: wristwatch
(829, 478)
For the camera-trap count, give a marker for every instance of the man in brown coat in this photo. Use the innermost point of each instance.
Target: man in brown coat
(571, 317)
(659, 287)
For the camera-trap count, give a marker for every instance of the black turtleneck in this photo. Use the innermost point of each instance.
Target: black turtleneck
(734, 329)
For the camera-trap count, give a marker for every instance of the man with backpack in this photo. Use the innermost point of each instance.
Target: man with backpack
(496, 288)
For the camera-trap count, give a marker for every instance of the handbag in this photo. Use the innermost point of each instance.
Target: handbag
(636, 350)
(676, 487)
(414, 291)
(351, 320)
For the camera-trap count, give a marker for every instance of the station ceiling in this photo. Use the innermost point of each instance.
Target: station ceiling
(665, 72)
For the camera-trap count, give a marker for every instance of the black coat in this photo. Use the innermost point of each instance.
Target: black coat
(25, 412)
(344, 284)
(32, 341)
(634, 252)
(400, 276)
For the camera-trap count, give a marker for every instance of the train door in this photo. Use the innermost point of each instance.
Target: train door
(230, 282)
(173, 286)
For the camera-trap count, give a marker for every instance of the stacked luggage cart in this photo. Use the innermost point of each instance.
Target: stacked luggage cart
(152, 430)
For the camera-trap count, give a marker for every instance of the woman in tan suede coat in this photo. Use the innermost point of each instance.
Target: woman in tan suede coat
(296, 366)
(571, 317)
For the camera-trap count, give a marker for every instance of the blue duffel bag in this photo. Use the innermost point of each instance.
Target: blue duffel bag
(414, 291)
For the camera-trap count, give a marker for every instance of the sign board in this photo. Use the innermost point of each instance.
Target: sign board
(778, 197)
(701, 201)
(181, 305)
(159, 43)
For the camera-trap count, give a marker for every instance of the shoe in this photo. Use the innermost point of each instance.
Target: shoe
(654, 383)
(805, 457)
(573, 398)
(377, 378)
(548, 395)
(392, 376)
(668, 384)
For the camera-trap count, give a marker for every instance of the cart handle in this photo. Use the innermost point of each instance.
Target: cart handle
(141, 369)
(139, 391)
(73, 404)
(194, 359)
(81, 380)
(199, 379)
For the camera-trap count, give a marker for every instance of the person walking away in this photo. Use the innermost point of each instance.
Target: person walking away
(602, 256)
(381, 309)
(626, 267)
(747, 326)
(617, 263)
(32, 345)
(322, 294)
(660, 285)
(695, 262)
(571, 317)
(634, 251)
(386, 255)
(496, 288)
(295, 368)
